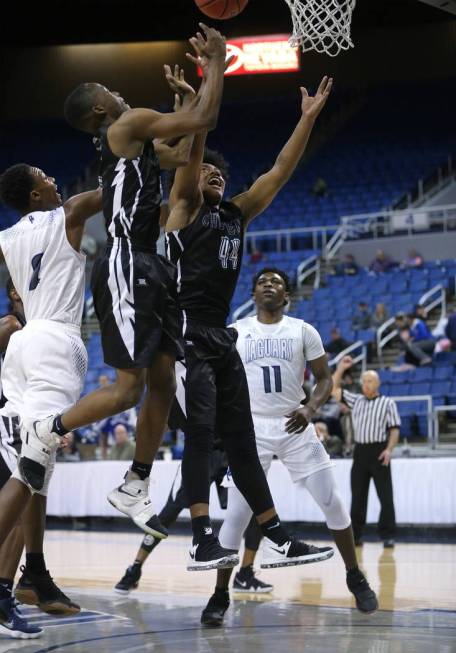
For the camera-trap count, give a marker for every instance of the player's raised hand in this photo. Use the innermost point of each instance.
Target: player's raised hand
(312, 105)
(184, 93)
(211, 47)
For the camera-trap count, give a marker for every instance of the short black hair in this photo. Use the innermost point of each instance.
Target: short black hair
(16, 184)
(217, 159)
(9, 287)
(78, 104)
(281, 273)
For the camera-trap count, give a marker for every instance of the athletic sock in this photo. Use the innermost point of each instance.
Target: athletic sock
(201, 527)
(245, 572)
(141, 469)
(6, 588)
(274, 530)
(222, 593)
(57, 426)
(137, 565)
(34, 562)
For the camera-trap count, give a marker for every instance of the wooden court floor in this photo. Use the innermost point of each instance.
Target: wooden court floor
(309, 610)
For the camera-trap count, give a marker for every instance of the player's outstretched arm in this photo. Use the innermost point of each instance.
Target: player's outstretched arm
(175, 152)
(185, 197)
(78, 209)
(140, 125)
(265, 188)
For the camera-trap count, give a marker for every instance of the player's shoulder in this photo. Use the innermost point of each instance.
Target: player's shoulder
(244, 323)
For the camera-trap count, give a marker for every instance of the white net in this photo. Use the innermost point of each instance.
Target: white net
(321, 25)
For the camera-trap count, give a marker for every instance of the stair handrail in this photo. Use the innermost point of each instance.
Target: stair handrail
(439, 300)
(244, 310)
(335, 243)
(359, 358)
(306, 268)
(383, 340)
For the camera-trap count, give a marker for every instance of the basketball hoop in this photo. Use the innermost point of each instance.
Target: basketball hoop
(321, 25)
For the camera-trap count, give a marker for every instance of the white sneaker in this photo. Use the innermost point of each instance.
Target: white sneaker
(293, 552)
(132, 498)
(38, 442)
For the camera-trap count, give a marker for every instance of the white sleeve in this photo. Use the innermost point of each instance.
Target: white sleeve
(313, 345)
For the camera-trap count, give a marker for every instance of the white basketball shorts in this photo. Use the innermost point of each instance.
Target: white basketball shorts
(302, 453)
(44, 369)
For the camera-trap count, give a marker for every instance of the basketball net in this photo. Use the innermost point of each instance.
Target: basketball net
(321, 25)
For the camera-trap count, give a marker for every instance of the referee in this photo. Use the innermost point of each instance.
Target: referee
(376, 425)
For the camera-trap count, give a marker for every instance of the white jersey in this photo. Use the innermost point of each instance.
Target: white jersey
(46, 271)
(274, 357)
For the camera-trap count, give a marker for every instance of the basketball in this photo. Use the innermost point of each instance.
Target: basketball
(221, 9)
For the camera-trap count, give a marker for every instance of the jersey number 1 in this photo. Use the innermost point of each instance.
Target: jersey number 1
(36, 267)
(267, 378)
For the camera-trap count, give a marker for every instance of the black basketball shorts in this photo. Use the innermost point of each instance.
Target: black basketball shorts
(135, 299)
(216, 390)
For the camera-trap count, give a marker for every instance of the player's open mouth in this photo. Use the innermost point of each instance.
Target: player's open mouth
(215, 181)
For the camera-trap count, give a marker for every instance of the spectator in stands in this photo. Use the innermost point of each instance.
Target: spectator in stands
(69, 452)
(331, 443)
(105, 428)
(337, 343)
(379, 316)
(123, 448)
(348, 266)
(421, 312)
(413, 260)
(450, 330)
(362, 318)
(381, 263)
(320, 187)
(416, 339)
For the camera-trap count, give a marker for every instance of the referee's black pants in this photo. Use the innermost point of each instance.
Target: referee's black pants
(366, 465)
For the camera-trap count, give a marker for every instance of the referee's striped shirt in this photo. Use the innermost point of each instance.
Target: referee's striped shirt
(372, 418)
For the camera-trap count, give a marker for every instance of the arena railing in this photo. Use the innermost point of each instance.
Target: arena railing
(429, 414)
(436, 413)
(306, 269)
(427, 187)
(360, 357)
(244, 310)
(283, 237)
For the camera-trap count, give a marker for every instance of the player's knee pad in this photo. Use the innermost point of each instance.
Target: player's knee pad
(240, 446)
(237, 517)
(324, 491)
(18, 476)
(199, 439)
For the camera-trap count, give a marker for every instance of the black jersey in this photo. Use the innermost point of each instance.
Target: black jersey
(131, 195)
(208, 255)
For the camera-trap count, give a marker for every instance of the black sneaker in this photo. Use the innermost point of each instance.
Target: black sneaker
(40, 590)
(129, 580)
(293, 552)
(213, 613)
(248, 582)
(209, 554)
(366, 600)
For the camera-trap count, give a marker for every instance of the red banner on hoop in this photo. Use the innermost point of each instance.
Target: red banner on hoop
(256, 55)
